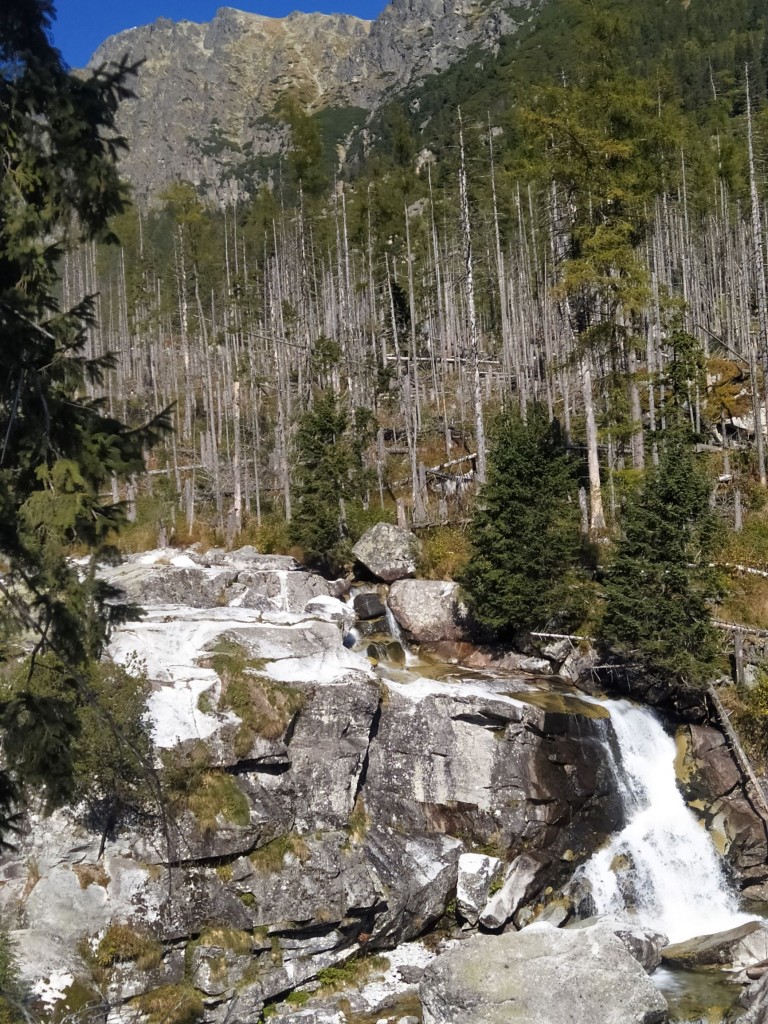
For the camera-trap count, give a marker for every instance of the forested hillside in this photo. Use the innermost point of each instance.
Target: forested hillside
(524, 312)
(577, 222)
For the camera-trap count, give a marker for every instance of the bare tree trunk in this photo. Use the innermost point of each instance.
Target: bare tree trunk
(477, 394)
(759, 269)
(597, 515)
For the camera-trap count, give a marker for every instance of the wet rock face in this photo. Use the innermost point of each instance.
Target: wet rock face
(712, 785)
(541, 975)
(334, 829)
(687, 702)
(507, 776)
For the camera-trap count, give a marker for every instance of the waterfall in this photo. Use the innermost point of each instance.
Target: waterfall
(661, 869)
(397, 635)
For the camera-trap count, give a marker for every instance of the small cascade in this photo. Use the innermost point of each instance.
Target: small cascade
(661, 869)
(282, 576)
(397, 635)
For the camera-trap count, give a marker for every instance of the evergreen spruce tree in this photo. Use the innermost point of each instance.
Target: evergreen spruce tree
(659, 583)
(330, 472)
(59, 448)
(525, 530)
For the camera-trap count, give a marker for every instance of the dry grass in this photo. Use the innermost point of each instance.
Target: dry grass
(353, 973)
(91, 874)
(190, 784)
(226, 938)
(270, 859)
(170, 1004)
(218, 795)
(445, 552)
(121, 944)
(263, 706)
(746, 601)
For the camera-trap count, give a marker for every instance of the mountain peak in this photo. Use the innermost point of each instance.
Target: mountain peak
(206, 93)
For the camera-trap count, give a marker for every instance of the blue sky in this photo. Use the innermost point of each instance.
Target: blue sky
(81, 25)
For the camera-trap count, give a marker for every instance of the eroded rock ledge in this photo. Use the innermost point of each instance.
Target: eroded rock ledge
(344, 827)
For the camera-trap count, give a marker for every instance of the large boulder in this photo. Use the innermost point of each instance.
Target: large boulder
(541, 975)
(430, 610)
(389, 552)
(736, 948)
(368, 605)
(645, 944)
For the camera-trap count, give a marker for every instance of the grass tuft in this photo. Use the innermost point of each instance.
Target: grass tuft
(170, 1004)
(123, 944)
(264, 707)
(270, 859)
(352, 973)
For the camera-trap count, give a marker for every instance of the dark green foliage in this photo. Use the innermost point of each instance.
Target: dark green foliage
(306, 154)
(96, 726)
(12, 1010)
(330, 448)
(659, 583)
(58, 448)
(525, 531)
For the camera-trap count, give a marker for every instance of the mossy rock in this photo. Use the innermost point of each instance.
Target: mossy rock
(560, 703)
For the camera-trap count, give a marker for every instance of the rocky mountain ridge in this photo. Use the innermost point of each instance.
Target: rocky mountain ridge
(205, 95)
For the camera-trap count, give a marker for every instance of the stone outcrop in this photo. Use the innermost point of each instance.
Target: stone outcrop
(431, 610)
(389, 552)
(737, 948)
(328, 815)
(519, 882)
(541, 975)
(477, 872)
(713, 786)
(206, 96)
(330, 810)
(755, 999)
(243, 578)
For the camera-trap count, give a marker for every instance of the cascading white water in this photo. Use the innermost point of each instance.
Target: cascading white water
(397, 635)
(661, 869)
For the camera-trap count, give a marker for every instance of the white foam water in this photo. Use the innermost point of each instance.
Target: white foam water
(662, 869)
(397, 635)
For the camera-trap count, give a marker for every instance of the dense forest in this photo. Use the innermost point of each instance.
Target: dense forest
(577, 223)
(557, 249)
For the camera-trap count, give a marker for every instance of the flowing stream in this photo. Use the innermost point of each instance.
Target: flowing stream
(661, 869)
